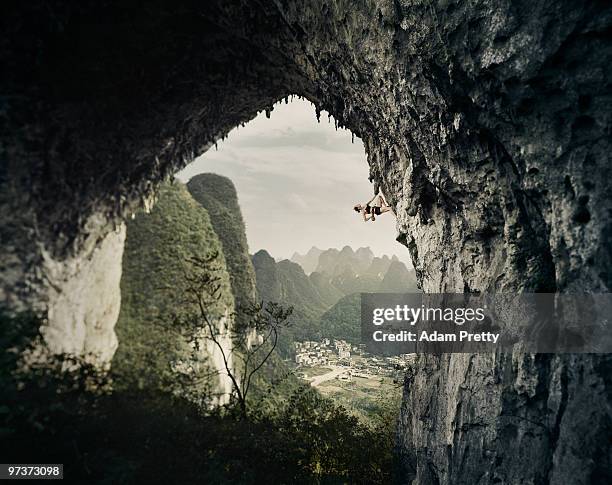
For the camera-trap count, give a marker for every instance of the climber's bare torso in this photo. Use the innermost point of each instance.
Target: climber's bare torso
(369, 211)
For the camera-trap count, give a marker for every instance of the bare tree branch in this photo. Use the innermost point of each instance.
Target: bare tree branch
(204, 288)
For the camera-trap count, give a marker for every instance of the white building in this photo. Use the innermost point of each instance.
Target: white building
(344, 353)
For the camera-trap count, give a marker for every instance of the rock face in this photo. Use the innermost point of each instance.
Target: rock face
(487, 127)
(84, 300)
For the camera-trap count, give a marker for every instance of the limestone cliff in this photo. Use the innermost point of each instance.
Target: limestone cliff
(308, 261)
(155, 351)
(286, 283)
(84, 300)
(217, 195)
(487, 127)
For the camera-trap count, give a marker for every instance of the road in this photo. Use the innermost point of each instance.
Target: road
(336, 371)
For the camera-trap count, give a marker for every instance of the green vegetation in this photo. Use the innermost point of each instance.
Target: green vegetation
(153, 288)
(160, 331)
(368, 398)
(71, 414)
(342, 321)
(358, 271)
(329, 293)
(286, 283)
(242, 351)
(268, 280)
(310, 372)
(151, 438)
(217, 195)
(398, 280)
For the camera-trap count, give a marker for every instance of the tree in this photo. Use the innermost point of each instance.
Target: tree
(252, 343)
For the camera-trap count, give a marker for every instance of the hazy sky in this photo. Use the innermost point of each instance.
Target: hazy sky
(297, 181)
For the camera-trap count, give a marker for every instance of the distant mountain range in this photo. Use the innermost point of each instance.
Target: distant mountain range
(285, 282)
(351, 271)
(326, 301)
(308, 261)
(333, 261)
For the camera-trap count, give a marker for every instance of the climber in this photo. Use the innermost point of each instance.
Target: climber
(371, 210)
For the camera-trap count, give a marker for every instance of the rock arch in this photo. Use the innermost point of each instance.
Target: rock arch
(486, 125)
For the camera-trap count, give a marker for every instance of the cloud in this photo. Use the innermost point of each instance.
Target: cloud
(298, 202)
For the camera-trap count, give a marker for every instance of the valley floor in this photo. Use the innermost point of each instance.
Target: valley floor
(360, 393)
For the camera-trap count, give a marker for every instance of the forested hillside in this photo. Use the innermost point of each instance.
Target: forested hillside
(286, 283)
(398, 279)
(218, 196)
(153, 289)
(327, 302)
(342, 321)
